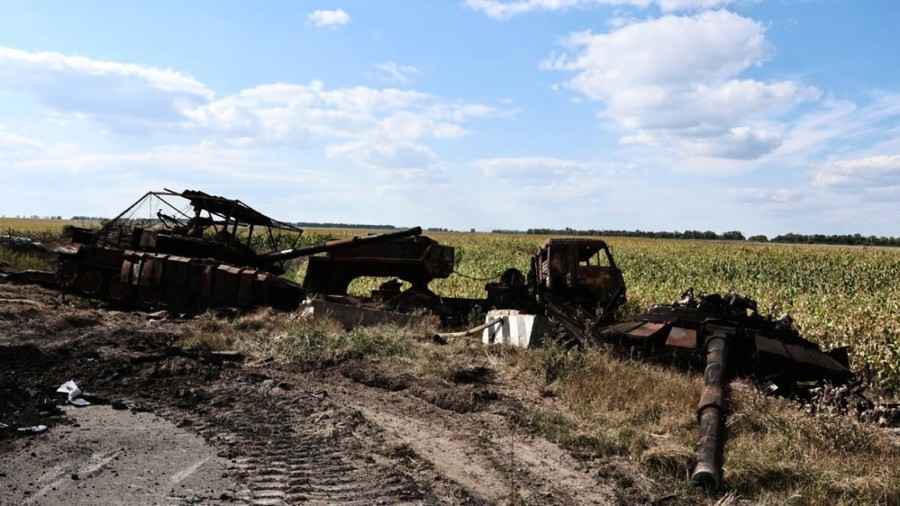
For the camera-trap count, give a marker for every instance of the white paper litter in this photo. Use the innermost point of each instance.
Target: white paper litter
(35, 429)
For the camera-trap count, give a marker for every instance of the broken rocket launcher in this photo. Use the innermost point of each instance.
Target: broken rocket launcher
(727, 337)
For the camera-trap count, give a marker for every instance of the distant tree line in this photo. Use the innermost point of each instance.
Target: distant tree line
(33, 217)
(854, 239)
(687, 234)
(734, 235)
(342, 225)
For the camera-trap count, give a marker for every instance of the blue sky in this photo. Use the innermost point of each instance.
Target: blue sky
(766, 116)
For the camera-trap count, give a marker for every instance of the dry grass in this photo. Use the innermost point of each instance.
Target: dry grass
(610, 409)
(314, 342)
(17, 261)
(776, 454)
(29, 225)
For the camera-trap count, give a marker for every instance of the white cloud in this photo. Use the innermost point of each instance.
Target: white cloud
(374, 127)
(10, 141)
(377, 127)
(397, 155)
(549, 180)
(816, 132)
(518, 168)
(393, 72)
(328, 19)
(124, 96)
(873, 172)
(691, 5)
(504, 9)
(676, 81)
(768, 196)
(15, 148)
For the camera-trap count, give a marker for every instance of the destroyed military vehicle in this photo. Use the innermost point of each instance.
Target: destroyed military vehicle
(195, 251)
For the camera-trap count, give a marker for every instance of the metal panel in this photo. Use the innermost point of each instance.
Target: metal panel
(814, 358)
(245, 289)
(680, 337)
(646, 330)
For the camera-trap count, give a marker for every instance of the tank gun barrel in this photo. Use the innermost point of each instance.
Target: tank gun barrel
(288, 254)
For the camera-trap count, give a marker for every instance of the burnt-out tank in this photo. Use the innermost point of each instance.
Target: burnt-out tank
(189, 251)
(727, 336)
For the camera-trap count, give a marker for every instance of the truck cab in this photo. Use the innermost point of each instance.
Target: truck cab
(579, 271)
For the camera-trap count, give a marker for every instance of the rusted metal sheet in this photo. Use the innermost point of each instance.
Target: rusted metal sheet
(176, 284)
(680, 337)
(226, 283)
(814, 359)
(647, 330)
(246, 296)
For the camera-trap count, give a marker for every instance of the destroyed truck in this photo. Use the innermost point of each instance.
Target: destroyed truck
(578, 284)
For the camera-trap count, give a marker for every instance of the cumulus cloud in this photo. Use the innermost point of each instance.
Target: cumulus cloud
(551, 180)
(123, 96)
(504, 9)
(187, 160)
(677, 81)
(813, 133)
(393, 72)
(873, 172)
(374, 127)
(328, 19)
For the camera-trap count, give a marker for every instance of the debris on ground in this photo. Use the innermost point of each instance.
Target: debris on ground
(851, 400)
(73, 394)
(34, 429)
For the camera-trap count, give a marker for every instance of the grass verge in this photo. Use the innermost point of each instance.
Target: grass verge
(312, 342)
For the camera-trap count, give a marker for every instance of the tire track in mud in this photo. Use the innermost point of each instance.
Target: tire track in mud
(291, 448)
(481, 449)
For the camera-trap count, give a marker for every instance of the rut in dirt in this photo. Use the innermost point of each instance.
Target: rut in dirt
(295, 449)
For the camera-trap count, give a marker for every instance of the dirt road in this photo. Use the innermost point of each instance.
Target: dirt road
(203, 429)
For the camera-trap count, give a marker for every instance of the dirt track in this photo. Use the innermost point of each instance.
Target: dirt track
(270, 434)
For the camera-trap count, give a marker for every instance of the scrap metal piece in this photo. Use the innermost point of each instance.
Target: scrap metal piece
(404, 254)
(647, 330)
(446, 336)
(680, 337)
